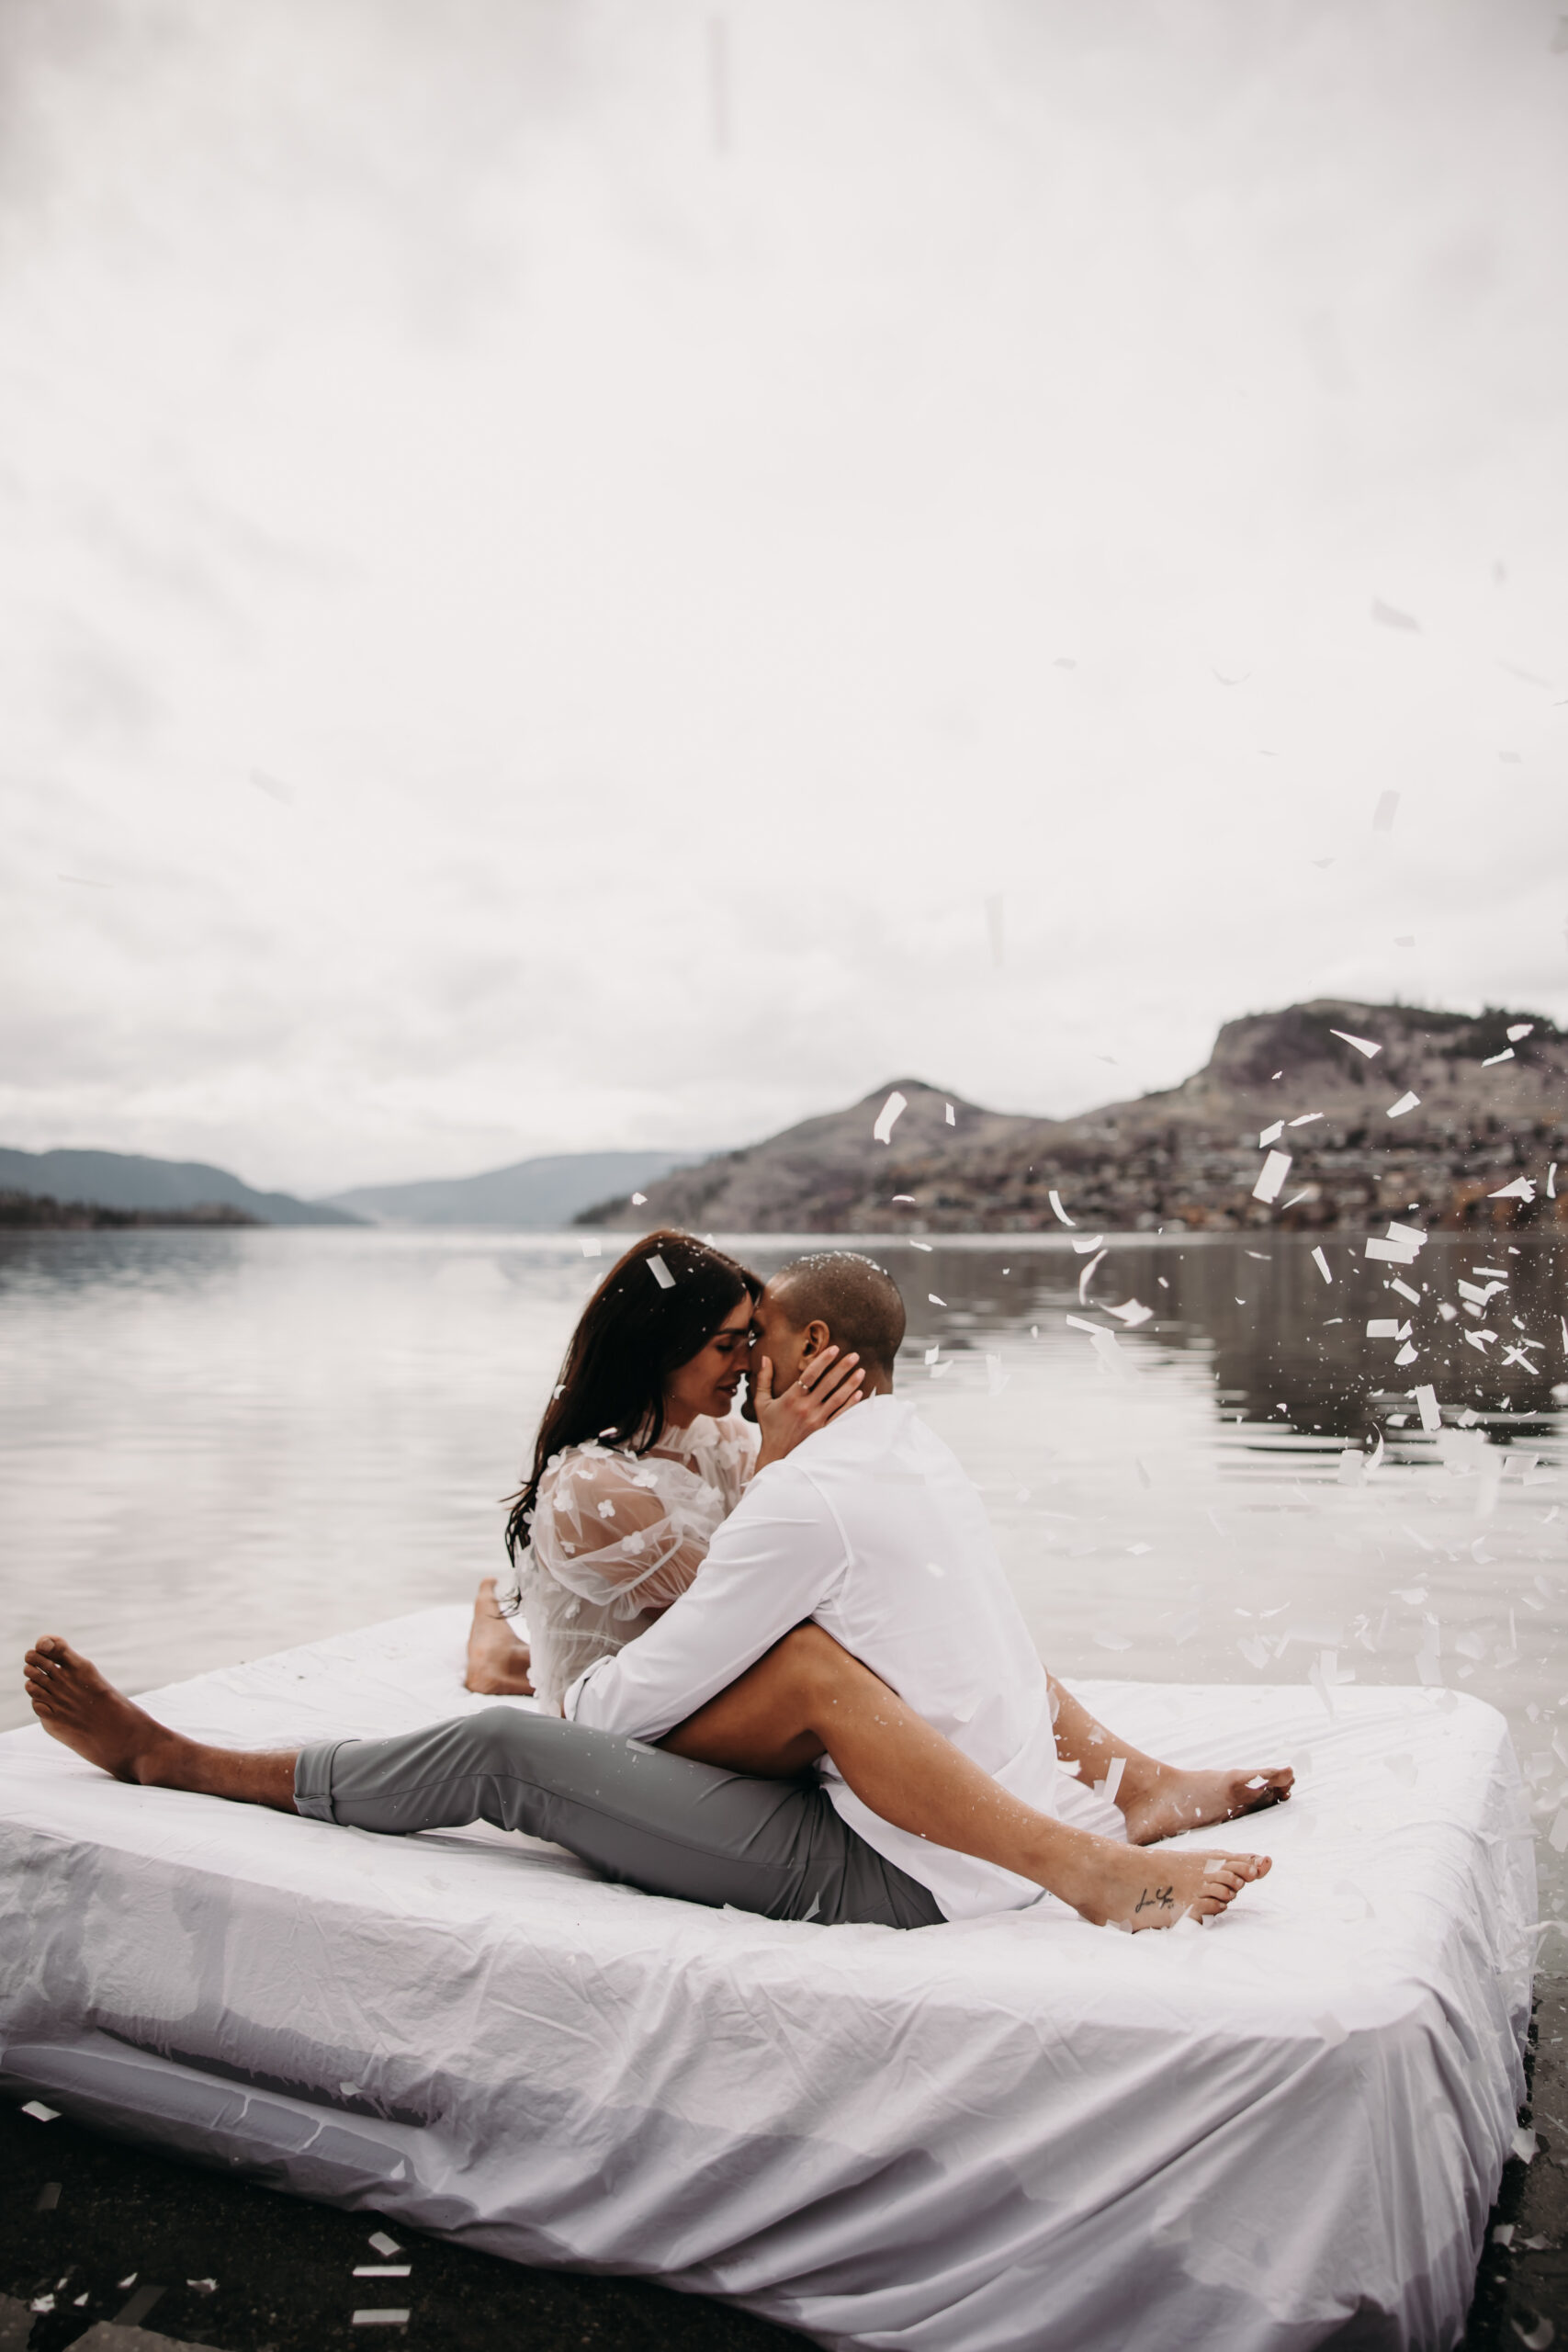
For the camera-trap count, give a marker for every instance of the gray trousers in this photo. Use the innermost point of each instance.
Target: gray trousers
(642, 1817)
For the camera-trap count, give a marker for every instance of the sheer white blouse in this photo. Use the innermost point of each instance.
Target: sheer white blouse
(617, 1536)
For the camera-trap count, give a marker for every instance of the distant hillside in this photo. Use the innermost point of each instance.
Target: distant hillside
(1189, 1155)
(40, 1212)
(116, 1179)
(532, 1195)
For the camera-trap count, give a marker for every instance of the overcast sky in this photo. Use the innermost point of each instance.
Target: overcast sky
(558, 558)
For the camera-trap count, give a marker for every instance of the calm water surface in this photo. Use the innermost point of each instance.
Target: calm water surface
(215, 1444)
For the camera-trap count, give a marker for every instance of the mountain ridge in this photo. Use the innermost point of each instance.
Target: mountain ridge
(1487, 1104)
(133, 1181)
(527, 1195)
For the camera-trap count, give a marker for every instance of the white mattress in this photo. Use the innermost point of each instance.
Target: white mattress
(1280, 2131)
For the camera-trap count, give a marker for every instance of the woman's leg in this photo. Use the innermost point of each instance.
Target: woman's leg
(808, 1697)
(1159, 1800)
(639, 1817)
(498, 1663)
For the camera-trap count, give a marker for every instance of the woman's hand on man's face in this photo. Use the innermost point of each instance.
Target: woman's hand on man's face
(827, 1385)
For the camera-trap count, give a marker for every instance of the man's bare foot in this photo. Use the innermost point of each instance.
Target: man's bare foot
(1164, 1801)
(74, 1704)
(498, 1661)
(1114, 1886)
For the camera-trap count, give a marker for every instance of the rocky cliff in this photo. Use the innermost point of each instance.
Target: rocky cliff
(1490, 1108)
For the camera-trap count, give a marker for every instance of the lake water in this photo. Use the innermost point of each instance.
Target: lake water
(215, 1444)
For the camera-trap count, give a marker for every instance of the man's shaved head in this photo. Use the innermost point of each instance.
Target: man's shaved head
(860, 1303)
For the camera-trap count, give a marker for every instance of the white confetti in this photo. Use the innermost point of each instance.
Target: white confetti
(1521, 1189)
(1321, 1262)
(1362, 1044)
(1271, 1177)
(1088, 1275)
(1426, 1404)
(660, 1271)
(952, 1121)
(39, 2113)
(1492, 1059)
(888, 1118)
(1271, 1135)
(1058, 1211)
(1405, 1103)
(1517, 1029)
(1132, 1313)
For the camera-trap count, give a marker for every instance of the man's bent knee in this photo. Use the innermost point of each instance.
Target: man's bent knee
(814, 1660)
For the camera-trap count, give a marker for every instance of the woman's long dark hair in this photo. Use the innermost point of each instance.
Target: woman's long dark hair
(634, 1332)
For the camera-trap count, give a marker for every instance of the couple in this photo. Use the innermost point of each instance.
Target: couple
(778, 1668)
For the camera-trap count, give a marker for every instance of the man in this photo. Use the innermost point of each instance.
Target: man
(852, 1614)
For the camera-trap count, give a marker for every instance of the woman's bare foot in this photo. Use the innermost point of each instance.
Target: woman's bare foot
(1160, 1801)
(74, 1704)
(1114, 1885)
(498, 1661)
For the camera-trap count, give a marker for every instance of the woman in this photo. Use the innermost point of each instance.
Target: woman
(640, 1455)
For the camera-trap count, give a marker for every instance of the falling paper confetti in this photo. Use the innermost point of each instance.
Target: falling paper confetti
(1517, 1029)
(888, 1118)
(660, 1271)
(1427, 1401)
(1271, 1135)
(950, 1120)
(1321, 1262)
(1492, 1059)
(1362, 1044)
(1058, 1211)
(1405, 1103)
(1270, 1182)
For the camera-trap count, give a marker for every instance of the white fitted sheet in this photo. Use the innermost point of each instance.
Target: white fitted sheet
(1280, 2131)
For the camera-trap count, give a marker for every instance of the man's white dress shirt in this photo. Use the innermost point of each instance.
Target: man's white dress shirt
(872, 1529)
